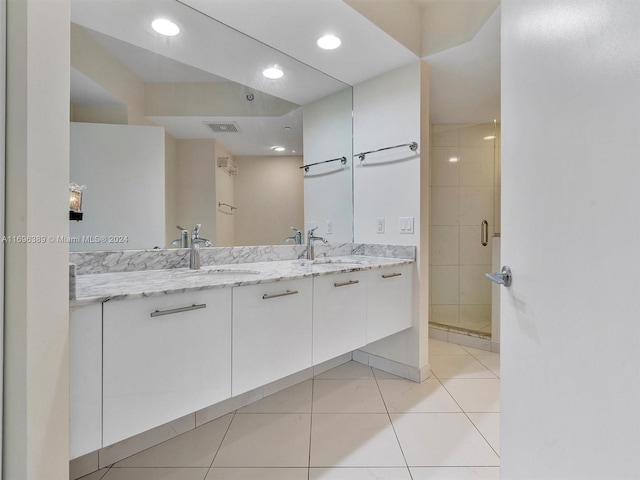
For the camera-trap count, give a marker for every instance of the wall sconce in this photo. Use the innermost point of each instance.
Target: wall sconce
(75, 201)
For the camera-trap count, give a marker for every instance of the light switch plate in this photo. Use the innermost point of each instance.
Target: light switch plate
(380, 225)
(406, 224)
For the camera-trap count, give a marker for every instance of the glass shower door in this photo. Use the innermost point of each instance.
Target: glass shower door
(464, 218)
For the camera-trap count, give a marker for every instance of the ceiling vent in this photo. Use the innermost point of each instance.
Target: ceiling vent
(229, 127)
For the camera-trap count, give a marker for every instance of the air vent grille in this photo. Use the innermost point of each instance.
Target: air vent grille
(229, 127)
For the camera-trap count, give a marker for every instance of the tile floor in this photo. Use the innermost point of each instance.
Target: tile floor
(350, 423)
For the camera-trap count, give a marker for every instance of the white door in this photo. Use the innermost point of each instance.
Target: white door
(571, 235)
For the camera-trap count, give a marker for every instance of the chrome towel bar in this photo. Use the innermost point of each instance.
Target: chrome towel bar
(343, 161)
(413, 146)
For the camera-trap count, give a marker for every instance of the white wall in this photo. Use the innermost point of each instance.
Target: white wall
(392, 109)
(36, 393)
(570, 331)
(123, 169)
(269, 197)
(328, 192)
(196, 186)
(225, 187)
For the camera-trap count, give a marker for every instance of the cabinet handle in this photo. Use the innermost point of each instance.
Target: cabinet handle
(344, 284)
(276, 295)
(159, 313)
(391, 275)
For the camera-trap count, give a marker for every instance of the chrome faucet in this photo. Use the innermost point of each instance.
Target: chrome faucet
(183, 241)
(310, 239)
(194, 257)
(297, 238)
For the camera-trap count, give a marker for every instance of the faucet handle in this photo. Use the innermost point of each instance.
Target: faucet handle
(294, 229)
(195, 233)
(312, 231)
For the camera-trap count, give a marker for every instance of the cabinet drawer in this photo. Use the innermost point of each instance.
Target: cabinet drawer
(387, 302)
(339, 315)
(164, 359)
(271, 332)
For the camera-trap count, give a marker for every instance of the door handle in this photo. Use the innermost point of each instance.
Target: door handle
(484, 233)
(503, 277)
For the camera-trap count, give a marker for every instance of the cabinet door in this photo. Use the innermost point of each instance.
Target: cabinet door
(387, 302)
(271, 332)
(160, 367)
(85, 380)
(339, 315)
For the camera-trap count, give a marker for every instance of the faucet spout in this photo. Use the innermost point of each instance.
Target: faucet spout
(194, 256)
(310, 239)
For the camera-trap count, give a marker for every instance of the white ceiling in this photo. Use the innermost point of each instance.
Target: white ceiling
(464, 79)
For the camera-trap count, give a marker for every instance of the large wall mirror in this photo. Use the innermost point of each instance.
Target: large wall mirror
(172, 131)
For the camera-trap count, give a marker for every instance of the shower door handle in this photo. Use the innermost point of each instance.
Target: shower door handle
(503, 277)
(484, 233)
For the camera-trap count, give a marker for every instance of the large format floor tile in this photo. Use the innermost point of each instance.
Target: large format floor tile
(455, 473)
(295, 399)
(489, 426)
(442, 439)
(475, 394)
(347, 396)
(156, 474)
(391, 473)
(195, 448)
(266, 440)
(459, 366)
(405, 396)
(347, 371)
(258, 474)
(354, 440)
(352, 422)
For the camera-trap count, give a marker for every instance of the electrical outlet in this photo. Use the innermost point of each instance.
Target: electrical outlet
(380, 225)
(329, 229)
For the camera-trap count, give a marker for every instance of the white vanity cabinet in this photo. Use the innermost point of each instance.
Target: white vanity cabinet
(164, 357)
(85, 379)
(339, 314)
(387, 301)
(271, 332)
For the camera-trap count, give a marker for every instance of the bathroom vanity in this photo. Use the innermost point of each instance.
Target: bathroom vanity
(150, 346)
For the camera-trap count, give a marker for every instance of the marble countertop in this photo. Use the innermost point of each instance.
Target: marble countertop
(103, 287)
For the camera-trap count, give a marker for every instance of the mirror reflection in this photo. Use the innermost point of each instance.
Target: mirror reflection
(172, 131)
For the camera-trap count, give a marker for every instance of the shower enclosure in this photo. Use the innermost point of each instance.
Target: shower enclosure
(464, 226)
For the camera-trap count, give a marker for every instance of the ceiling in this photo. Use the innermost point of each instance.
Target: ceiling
(464, 78)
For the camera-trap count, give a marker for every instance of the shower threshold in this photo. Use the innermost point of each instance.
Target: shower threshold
(462, 336)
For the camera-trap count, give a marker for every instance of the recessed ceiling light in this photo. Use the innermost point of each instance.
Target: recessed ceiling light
(278, 149)
(454, 159)
(273, 72)
(489, 137)
(329, 42)
(165, 27)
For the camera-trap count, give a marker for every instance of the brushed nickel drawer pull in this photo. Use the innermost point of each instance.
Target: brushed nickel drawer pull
(276, 295)
(391, 275)
(344, 284)
(159, 313)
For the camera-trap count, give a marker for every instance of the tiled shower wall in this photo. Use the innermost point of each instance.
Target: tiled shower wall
(463, 194)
